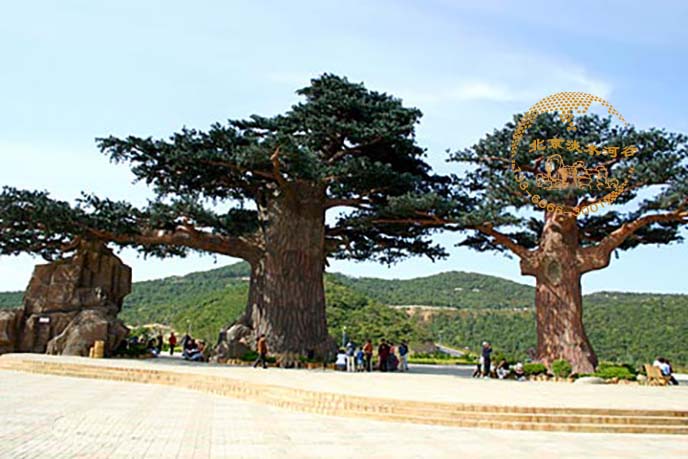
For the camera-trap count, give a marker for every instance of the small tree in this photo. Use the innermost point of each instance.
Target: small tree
(259, 190)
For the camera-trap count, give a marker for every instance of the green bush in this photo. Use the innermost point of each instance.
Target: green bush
(534, 369)
(497, 356)
(609, 372)
(133, 350)
(561, 368)
(628, 366)
(251, 356)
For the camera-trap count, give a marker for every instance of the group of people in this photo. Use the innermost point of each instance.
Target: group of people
(502, 370)
(667, 371)
(354, 358)
(192, 349)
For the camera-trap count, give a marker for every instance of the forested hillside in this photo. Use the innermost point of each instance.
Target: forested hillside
(456, 288)
(628, 327)
(633, 330)
(11, 299)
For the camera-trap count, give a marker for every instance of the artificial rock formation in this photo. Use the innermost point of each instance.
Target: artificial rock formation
(69, 304)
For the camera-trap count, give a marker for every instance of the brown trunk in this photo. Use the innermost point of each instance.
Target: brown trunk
(286, 294)
(558, 299)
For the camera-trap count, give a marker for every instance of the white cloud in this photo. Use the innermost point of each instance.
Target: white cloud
(505, 78)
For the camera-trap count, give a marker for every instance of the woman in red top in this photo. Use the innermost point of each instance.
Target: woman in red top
(173, 342)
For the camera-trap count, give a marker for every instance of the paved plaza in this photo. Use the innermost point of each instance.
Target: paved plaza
(427, 386)
(64, 417)
(47, 416)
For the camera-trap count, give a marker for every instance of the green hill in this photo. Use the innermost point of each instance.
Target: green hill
(629, 327)
(11, 299)
(457, 288)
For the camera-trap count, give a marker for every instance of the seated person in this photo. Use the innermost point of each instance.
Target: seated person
(392, 362)
(479, 368)
(665, 367)
(152, 347)
(340, 363)
(197, 354)
(519, 372)
(502, 369)
(189, 349)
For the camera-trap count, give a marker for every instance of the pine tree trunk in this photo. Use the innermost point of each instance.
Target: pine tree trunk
(558, 298)
(286, 293)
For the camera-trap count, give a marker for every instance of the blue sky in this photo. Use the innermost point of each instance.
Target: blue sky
(75, 70)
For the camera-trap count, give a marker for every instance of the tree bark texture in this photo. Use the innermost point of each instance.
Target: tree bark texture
(286, 294)
(558, 297)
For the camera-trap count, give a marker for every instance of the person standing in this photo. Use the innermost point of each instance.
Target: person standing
(262, 349)
(403, 356)
(350, 356)
(359, 359)
(158, 342)
(172, 341)
(368, 355)
(383, 354)
(487, 363)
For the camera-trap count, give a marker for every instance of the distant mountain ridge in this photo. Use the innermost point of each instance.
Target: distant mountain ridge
(629, 327)
(457, 288)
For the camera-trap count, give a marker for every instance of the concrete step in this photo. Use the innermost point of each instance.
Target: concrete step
(449, 414)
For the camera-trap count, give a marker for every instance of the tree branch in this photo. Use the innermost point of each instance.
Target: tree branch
(277, 175)
(503, 239)
(597, 257)
(346, 151)
(237, 168)
(183, 236)
(361, 203)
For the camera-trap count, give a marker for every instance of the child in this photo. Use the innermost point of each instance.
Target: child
(359, 359)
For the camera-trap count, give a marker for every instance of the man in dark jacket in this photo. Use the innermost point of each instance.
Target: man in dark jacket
(487, 363)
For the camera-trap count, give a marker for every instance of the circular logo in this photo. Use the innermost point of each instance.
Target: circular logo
(567, 167)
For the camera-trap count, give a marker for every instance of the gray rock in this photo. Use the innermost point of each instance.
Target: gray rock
(590, 380)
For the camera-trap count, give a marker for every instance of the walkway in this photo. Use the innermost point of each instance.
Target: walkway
(65, 418)
(426, 387)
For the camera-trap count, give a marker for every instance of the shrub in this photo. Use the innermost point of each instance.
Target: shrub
(250, 356)
(609, 372)
(534, 368)
(561, 368)
(604, 365)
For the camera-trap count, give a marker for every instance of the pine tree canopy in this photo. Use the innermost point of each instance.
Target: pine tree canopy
(651, 208)
(343, 147)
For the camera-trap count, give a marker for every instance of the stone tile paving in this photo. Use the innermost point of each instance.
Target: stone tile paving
(62, 417)
(424, 387)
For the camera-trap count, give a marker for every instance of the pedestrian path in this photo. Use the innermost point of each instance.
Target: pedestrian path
(430, 399)
(48, 417)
